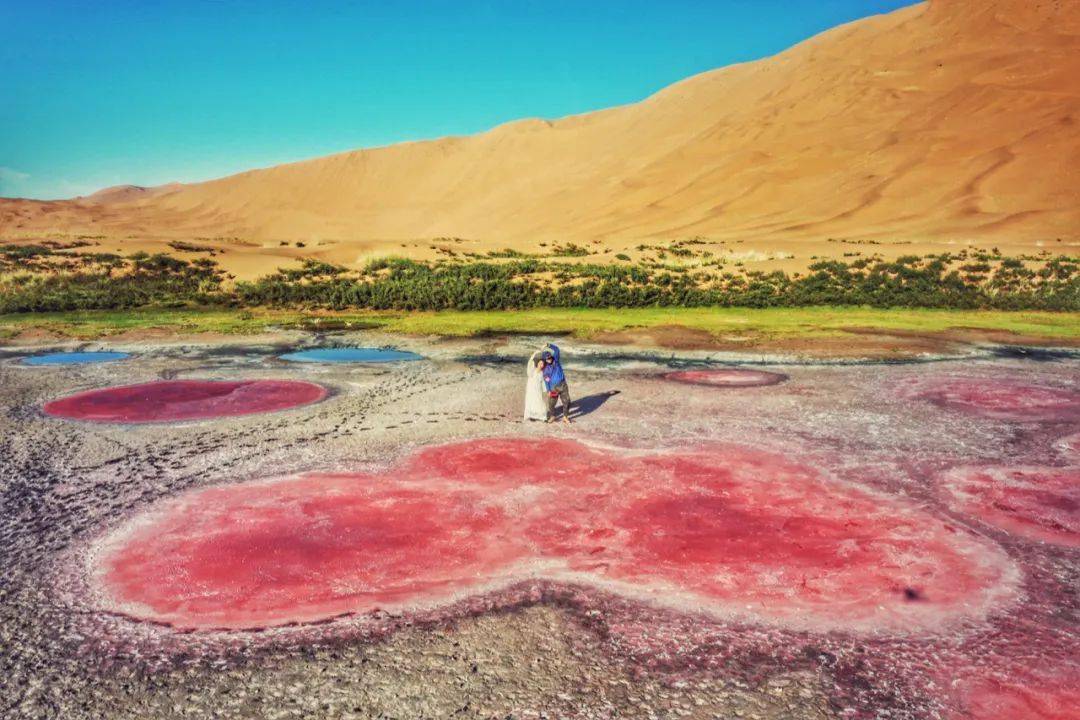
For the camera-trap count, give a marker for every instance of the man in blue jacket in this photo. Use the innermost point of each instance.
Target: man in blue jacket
(555, 383)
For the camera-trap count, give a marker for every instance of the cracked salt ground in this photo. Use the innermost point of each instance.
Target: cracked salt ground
(604, 596)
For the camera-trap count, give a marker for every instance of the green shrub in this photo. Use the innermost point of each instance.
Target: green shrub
(39, 278)
(569, 250)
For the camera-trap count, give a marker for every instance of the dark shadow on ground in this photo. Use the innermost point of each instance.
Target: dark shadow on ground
(1018, 352)
(590, 403)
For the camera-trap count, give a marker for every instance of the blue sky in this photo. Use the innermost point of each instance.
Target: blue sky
(150, 91)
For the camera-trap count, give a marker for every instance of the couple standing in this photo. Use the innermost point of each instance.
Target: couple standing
(546, 385)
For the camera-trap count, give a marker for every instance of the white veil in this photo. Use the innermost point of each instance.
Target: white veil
(535, 400)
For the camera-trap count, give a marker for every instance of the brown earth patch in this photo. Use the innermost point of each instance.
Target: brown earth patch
(1005, 337)
(35, 336)
(855, 343)
(674, 337)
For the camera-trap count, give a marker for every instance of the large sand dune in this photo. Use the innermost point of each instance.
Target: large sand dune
(955, 121)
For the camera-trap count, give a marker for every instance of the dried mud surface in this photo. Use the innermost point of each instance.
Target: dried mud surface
(551, 645)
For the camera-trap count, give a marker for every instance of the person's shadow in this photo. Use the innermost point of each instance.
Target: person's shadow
(590, 403)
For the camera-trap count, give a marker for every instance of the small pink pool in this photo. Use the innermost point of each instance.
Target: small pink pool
(1042, 503)
(179, 400)
(729, 378)
(997, 399)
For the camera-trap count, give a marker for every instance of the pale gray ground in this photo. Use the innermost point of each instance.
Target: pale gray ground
(64, 482)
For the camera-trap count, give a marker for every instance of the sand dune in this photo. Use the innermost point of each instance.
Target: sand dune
(955, 121)
(127, 193)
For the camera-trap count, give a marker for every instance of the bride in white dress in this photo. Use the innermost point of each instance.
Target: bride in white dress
(535, 394)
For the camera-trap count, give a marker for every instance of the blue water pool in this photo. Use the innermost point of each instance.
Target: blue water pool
(351, 355)
(74, 358)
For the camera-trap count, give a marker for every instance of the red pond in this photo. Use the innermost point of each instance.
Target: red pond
(726, 378)
(1042, 503)
(998, 399)
(1021, 693)
(728, 530)
(178, 400)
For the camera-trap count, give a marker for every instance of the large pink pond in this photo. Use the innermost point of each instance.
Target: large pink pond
(729, 529)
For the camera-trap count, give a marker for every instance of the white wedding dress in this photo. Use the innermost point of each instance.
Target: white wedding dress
(535, 395)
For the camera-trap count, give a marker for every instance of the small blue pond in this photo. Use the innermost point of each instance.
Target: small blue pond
(74, 358)
(351, 355)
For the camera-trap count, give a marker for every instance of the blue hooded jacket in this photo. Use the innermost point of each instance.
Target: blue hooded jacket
(553, 373)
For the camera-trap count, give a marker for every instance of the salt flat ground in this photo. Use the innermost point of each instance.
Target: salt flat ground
(856, 540)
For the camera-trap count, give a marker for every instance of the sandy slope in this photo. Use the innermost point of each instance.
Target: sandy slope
(956, 121)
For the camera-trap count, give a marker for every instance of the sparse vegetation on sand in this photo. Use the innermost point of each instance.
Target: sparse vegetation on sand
(40, 278)
(960, 281)
(35, 278)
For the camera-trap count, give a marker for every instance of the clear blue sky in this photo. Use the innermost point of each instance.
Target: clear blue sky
(149, 91)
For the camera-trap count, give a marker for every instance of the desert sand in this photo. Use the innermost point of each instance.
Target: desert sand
(945, 124)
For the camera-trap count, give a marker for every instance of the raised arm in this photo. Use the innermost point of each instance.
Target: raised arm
(554, 350)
